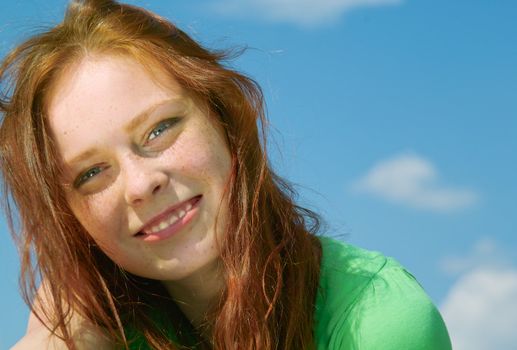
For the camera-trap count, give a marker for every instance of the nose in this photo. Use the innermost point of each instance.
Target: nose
(143, 179)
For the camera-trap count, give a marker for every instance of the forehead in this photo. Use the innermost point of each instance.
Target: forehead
(99, 84)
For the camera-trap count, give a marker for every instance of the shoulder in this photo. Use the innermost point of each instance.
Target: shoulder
(369, 301)
(38, 336)
(85, 336)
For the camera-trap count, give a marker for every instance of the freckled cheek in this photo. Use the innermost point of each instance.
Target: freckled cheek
(100, 217)
(202, 159)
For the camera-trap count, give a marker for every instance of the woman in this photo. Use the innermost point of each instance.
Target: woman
(135, 159)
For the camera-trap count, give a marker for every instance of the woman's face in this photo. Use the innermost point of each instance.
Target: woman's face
(145, 167)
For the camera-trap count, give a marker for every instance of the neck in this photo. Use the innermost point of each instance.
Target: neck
(197, 294)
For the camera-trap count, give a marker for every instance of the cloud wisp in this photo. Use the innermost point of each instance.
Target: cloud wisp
(298, 12)
(485, 254)
(413, 181)
(480, 310)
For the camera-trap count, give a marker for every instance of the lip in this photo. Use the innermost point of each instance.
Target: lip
(175, 227)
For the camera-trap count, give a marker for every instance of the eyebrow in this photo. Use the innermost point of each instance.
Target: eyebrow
(82, 156)
(131, 126)
(142, 116)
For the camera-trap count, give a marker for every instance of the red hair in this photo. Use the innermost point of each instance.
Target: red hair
(270, 253)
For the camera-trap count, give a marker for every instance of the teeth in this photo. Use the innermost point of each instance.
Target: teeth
(171, 220)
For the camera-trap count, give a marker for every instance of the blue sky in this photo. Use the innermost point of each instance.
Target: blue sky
(396, 119)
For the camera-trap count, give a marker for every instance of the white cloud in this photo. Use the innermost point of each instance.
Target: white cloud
(301, 12)
(480, 310)
(413, 181)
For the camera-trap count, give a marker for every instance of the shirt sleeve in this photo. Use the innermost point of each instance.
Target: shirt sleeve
(391, 313)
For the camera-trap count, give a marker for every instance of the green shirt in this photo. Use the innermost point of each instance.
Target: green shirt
(367, 301)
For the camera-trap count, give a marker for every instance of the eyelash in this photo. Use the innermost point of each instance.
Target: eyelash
(87, 175)
(160, 128)
(163, 126)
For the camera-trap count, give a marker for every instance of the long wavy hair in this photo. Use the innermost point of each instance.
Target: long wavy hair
(270, 253)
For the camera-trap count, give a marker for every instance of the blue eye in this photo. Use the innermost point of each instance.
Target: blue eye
(87, 175)
(160, 128)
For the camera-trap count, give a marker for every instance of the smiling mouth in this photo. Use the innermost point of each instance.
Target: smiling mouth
(171, 221)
